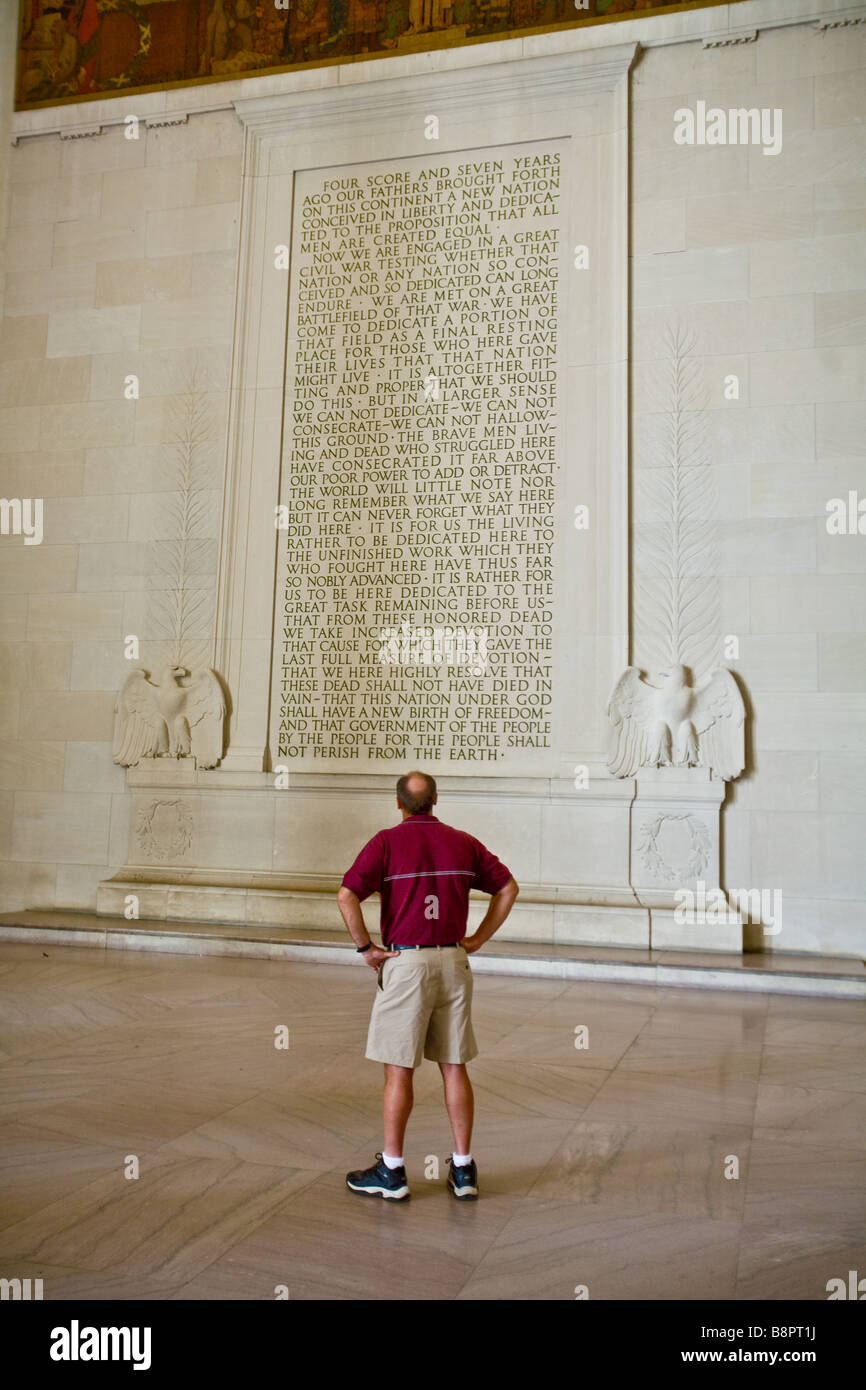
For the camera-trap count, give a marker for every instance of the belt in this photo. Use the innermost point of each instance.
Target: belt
(431, 947)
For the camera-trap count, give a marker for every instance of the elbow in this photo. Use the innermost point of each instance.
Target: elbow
(512, 889)
(345, 895)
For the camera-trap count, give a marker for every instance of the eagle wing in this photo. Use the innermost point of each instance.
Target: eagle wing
(719, 717)
(205, 709)
(631, 711)
(138, 724)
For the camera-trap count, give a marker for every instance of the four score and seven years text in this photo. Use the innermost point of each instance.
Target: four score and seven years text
(536, 163)
(474, 720)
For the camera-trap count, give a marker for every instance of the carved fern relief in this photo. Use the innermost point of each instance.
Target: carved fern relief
(676, 596)
(181, 574)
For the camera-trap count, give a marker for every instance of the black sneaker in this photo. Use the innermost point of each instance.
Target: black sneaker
(463, 1181)
(380, 1181)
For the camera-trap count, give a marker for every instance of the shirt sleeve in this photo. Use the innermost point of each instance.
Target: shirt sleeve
(365, 875)
(490, 873)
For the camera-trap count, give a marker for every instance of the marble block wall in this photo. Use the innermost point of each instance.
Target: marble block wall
(761, 259)
(8, 40)
(121, 258)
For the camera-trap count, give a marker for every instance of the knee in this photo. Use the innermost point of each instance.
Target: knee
(398, 1076)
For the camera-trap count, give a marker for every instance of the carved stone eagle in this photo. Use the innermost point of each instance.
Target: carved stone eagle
(675, 723)
(165, 718)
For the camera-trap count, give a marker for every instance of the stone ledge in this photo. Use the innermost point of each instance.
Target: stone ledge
(240, 899)
(768, 972)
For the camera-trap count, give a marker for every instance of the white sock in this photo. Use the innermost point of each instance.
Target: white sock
(391, 1162)
(461, 1160)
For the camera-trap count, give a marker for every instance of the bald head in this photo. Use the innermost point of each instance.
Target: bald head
(416, 793)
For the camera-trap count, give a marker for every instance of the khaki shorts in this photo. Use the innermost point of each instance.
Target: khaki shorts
(423, 1009)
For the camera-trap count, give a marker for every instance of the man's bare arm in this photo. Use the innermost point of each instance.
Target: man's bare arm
(350, 908)
(501, 904)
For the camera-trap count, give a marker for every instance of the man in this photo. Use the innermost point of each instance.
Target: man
(423, 871)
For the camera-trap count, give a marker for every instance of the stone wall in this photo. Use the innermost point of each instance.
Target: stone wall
(8, 39)
(122, 259)
(762, 257)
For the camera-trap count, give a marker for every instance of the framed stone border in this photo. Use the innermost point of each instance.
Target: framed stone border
(581, 96)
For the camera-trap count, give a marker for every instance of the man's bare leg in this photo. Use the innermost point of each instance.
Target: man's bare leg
(397, 1106)
(460, 1103)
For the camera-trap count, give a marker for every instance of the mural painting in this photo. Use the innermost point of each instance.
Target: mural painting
(77, 49)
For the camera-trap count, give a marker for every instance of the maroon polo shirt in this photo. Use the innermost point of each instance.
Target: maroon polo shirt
(423, 871)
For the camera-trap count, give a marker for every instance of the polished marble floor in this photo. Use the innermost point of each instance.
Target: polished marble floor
(602, 1166)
